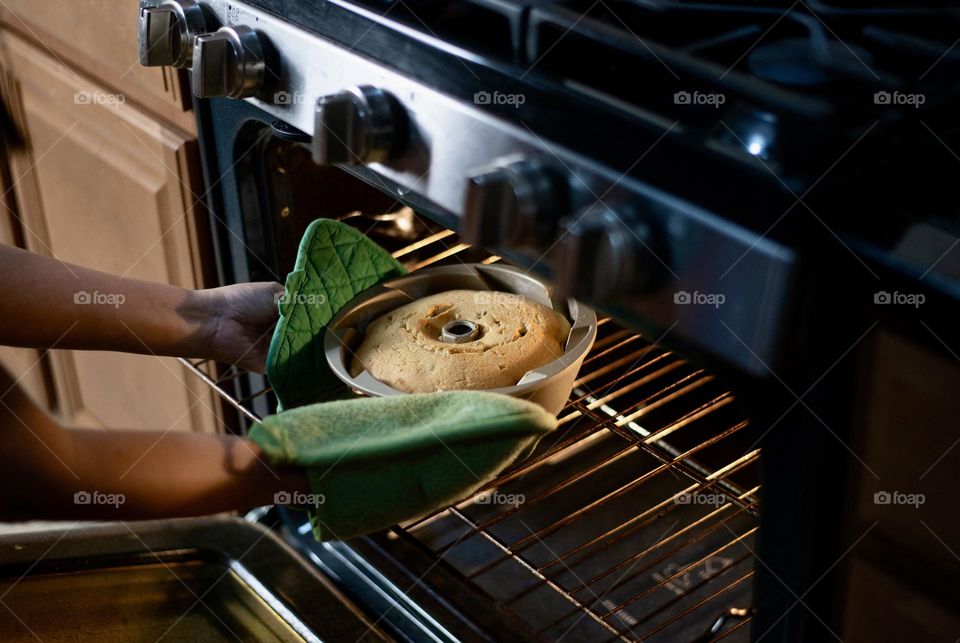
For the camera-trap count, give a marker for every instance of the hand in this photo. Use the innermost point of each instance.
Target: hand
(245, 315)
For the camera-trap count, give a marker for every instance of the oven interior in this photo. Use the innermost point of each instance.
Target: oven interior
(635, 520)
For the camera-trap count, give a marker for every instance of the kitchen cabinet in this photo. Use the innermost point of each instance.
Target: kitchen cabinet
(99, 38)
(107, 185)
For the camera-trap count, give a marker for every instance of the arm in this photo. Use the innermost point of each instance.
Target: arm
(43, 465)
(45, 302)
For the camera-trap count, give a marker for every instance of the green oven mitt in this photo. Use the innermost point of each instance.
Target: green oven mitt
(374, 462)
(334, 264)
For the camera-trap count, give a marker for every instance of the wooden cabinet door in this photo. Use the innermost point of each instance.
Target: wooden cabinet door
(101, 38)
(106, 186)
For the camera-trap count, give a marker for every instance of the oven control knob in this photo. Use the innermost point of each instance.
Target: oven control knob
(228, 62)
(512, 204)
(602, 253)
(167, 32)
(358, 125)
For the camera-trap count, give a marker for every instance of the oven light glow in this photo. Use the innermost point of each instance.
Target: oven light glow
(757, 144)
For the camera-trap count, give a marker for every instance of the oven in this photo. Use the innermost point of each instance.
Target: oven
(636, 519)
(762, 443)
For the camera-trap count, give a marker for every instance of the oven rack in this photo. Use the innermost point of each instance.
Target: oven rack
(635, 520)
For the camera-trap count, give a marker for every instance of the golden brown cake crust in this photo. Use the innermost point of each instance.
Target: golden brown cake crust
(403, 347)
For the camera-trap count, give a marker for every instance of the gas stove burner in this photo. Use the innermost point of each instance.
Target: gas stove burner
(796, 61)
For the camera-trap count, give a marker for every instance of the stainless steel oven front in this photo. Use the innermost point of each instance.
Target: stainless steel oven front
(732, 368)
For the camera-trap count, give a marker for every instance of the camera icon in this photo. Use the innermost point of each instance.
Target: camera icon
(882, 498)
(81, 98)
(283, 98)
(81, 498)
(882, 297)
(282, 498)
(681, 297)
(82, 297)
(683, 499)
(682, 98)
(882, 98)
(482, 98)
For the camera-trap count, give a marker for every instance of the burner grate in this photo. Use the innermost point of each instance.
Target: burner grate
(635, 520)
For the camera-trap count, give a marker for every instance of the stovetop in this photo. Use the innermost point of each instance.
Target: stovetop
(777, 98)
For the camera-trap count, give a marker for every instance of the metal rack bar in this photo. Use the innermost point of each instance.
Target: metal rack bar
(660, 543)
(662, 507)
(633, 559)
(510, 554)
(620, 391)
(517, 471)
(683, 570)
(665, 506)
(647, 379)
(624, 580)
(662, 454)
(741, 623)
(254, 396)
(698, 605)
(449, 252)
(711, 406)
(604, 343)
(609, 541)
(422, 243)
(219, 390)
(579, 475)
(666, 555)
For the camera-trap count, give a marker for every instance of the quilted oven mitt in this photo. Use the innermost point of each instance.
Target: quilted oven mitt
(374, 462)
(334, 264)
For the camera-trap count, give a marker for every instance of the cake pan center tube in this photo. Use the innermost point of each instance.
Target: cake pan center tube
(460, 331)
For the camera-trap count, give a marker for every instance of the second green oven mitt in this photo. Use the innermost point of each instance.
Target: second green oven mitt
(334, 264)
(374, 462)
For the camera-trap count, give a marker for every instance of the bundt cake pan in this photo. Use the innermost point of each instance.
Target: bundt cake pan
(549, 385)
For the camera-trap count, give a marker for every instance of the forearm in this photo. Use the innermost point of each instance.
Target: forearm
(131, 475)
(44, 466)
(174, 474)
(45, 302)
